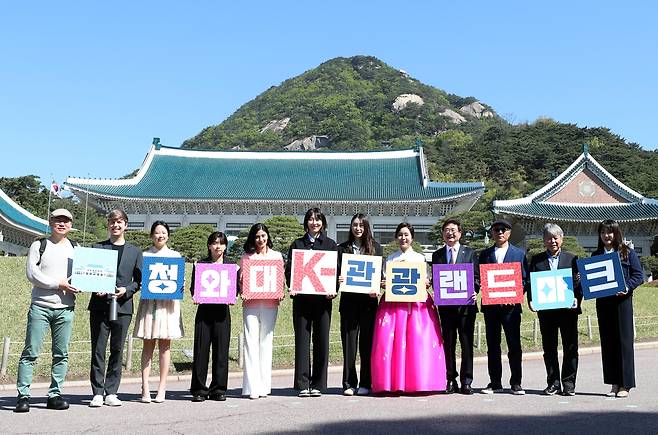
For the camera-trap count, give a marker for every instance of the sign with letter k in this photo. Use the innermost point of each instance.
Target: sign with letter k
(313, 272)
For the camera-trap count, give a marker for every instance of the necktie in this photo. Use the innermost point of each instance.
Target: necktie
(453, 256)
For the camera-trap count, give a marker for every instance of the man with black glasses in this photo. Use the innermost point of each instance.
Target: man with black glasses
(504, 316)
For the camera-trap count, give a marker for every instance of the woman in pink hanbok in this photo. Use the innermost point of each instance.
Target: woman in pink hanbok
(407, 350)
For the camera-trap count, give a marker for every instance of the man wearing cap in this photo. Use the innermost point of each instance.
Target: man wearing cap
(504, 316)
(53, 300)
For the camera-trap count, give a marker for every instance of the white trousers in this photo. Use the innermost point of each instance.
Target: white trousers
(258, 322)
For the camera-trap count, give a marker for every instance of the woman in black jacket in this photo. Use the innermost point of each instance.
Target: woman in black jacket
(311, 314)
(357, 312)
(212, 328)
(615, 314)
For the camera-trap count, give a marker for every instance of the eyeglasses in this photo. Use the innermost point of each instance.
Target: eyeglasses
(500, 229)
(451, 230)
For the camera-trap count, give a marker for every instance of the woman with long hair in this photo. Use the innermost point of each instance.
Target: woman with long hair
(158, 321)
(357, 312)
(311, 314)
(407, 348)
(212, 328)
(615, 313)
(258, 320)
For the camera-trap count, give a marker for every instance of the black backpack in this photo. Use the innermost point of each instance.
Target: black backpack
(43, 244)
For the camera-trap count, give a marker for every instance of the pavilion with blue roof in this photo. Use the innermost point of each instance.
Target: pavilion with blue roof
(578, 200)
(18, 227)
(234, 189)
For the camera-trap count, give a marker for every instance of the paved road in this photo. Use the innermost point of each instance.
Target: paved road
(590, 412)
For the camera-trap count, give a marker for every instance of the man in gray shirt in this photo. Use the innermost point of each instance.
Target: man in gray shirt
(53, 300)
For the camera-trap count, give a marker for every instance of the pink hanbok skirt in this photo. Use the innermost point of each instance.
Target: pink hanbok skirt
(407, 349)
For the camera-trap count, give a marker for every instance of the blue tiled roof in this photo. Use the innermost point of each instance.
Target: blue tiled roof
(281, 176)
(591, 213)
(19, 217)
(635, 208)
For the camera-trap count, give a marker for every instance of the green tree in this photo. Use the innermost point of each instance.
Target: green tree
(191, 241)
(650, 263)
(28, 192)
(141, 239)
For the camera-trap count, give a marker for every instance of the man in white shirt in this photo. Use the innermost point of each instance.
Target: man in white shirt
(53, 299)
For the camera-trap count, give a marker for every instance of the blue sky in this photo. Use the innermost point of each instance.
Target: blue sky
(85, 86)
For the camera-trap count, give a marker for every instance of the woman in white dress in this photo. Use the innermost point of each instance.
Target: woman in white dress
(158, 321)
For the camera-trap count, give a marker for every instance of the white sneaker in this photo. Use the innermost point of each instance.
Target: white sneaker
(112, 400)
(96, 401)
(349, 392)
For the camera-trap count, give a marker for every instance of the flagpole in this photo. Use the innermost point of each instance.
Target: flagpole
(84, 233)
(50, 192)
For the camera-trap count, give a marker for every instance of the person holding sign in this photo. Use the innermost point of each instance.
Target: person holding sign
(407, 349)
(503, 316)
(311, 314)
(457, 319)
(157, 320)
(102, 327)
(259, 315)
(52, 306)
(212, 328)
(357, 311)
(615, 313)
(562, 320)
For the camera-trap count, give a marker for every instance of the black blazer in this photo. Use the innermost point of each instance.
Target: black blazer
(567, 260)
(129, 275)
(352, 300)
(464, 255)
(322, 243)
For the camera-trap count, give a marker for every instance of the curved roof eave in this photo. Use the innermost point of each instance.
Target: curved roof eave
(106, 197)
(37, 225)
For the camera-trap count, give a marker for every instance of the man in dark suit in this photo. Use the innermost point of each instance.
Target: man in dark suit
(457, 319)
(504, 316)
(564, 320)
(129, 279)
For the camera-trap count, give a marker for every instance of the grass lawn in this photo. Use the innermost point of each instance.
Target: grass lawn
(15, 300)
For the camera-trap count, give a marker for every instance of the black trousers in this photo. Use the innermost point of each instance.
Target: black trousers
(102, 382)
(458, 321)
(615, 317)
(357, 324)
(565, 322)
(311, 317)
(509, 319)
(212, 329)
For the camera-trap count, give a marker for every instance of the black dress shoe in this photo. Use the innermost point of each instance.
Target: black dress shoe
(198, 398)
(466, 389)
(452, 387)
(56, 402)
(551, 390)
(220, 397)
(22, 404)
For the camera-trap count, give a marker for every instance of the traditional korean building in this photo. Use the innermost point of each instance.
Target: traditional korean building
(18, 227)
(231, 190)
(578, 200)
